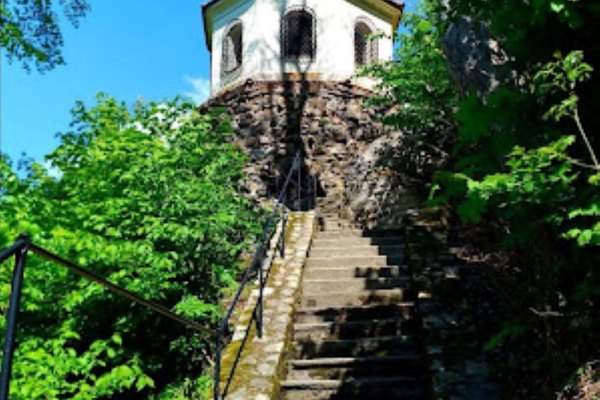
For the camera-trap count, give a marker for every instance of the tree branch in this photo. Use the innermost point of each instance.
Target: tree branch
(546, 314)
(584, 136)
(583, 165)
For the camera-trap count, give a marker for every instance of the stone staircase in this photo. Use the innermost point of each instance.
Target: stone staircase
(355, 335)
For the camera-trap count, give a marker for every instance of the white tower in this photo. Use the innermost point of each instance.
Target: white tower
(313, 40)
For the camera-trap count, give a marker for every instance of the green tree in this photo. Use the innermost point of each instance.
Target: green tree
(524, 166)
(416, 89)
(151, 199)
(30, 31)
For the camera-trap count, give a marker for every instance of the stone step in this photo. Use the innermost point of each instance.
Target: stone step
(335, 223)
(335, 384)
(343, 261)
(328, 215)
(444, 259)
(345, 368)
(356, 272)
(349, 391)
(382, 232)
(357, 251)
(352, 285)
(335, 228)
(347, 233)
(345, 242)
(341, 314)
(354, 329)
(352, 362)
(348, 299)
(378, 346)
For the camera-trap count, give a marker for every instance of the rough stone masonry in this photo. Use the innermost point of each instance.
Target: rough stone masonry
(342, 141)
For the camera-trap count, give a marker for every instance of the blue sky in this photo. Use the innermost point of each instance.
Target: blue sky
(127, 48)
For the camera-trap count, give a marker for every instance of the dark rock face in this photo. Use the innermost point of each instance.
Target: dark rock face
(476, 61)
(340, 139)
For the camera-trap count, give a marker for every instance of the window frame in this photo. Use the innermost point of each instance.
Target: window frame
(371, 46)
(285, 45)
(235, 72)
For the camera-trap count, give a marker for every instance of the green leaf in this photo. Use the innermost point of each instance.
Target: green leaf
(557, 5)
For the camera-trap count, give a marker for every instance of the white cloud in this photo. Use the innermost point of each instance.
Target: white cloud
(200, 89)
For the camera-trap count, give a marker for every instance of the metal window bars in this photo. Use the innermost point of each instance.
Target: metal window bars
(298, 35)
(232, 51)
(366, 49)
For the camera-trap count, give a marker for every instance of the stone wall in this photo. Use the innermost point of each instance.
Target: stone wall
(341, 141)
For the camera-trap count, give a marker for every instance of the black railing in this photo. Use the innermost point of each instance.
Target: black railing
(23, 246)
(20, 250)
(257, 267)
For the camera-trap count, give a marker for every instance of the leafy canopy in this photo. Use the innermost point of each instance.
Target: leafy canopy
(419, 95)
(30, 31)
(522, 160)
(151, 199)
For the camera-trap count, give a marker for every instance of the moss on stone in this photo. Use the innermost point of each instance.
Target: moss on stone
(255, 352)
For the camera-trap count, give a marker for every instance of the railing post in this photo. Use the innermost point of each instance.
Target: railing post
(217, 377)
(283, 223)
(283, 227)
(314, 179)
(259, 318)
(11, 319)
(299, 185)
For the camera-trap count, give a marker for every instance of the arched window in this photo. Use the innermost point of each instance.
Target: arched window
(232, 50)
(366, 51)
(298, 35)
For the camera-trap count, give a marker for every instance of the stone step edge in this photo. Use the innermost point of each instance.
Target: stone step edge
(348, 239)
(361, 293)
(312, 310)
(393, 294)
(358, 245)
(366, 269)
(336, 384)
(383, 339)
(353, 231)
(358, 278)
(357, 260)
(341, 362)
(390, 247)
(320, 325)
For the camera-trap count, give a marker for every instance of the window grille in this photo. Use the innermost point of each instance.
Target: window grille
(232, 50)
(366, 50)
(298, 33)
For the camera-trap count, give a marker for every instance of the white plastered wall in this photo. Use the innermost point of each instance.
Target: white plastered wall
(261, 19)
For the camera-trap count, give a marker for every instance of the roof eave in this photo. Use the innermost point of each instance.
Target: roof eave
(207, 6)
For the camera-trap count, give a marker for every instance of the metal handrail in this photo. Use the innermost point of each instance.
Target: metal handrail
(23, 246)
(20, 250)
(257, 263)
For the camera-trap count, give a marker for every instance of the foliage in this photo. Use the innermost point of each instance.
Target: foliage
(30, 32)
(417, 90)
(532, 30)
(149, 198)
(523, 159)
(562, 77)
(536, 185)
